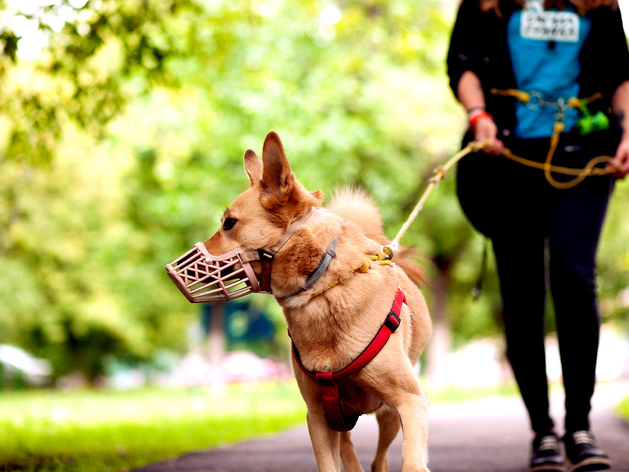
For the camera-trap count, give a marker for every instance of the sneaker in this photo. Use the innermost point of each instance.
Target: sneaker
(546, 454)
(583, 454)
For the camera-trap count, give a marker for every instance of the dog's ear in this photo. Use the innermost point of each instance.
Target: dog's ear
(277, 178)
(279, 186)
(253, 167)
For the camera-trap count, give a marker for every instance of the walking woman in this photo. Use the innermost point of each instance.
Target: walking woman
(528, 71)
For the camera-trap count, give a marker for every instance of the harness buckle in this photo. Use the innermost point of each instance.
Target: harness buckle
(393, 321)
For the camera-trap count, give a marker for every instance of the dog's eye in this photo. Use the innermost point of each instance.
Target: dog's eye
(229, 223)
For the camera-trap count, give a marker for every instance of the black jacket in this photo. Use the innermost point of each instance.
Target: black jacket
(479, 44)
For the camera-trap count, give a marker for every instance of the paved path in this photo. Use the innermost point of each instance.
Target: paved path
(488, 435)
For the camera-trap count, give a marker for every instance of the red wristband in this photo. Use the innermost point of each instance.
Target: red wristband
(476, 115)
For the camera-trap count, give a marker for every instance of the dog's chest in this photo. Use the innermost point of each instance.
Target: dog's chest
(357, 400)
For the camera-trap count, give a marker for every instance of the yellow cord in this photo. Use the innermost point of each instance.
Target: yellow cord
(440, 171)
(547, 166)
(362, 268)
(519, 94)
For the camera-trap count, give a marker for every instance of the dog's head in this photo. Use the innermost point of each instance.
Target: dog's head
(253, 228)
(260, 215)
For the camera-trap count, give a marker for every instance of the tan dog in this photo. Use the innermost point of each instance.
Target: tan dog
(333, 321)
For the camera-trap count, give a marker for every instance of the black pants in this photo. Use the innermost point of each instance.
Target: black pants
(524, 217)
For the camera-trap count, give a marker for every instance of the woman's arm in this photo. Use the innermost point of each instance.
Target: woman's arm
(620, 107)
(470, 94)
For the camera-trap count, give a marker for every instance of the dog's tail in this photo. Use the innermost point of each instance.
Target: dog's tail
(357, 206)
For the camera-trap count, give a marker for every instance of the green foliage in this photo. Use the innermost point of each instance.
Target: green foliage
(88, 431)
(623, 408)
(121, 144)
(613, 258)
(83, 71)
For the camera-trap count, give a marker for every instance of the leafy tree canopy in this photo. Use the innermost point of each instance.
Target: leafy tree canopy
(122, 130)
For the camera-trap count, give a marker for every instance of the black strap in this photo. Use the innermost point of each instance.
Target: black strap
(324, 263)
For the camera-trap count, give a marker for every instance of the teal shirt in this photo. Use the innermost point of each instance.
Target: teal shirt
(544, 48)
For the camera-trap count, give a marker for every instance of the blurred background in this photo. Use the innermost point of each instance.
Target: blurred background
(122, 130)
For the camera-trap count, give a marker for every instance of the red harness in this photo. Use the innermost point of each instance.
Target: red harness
(328, 380)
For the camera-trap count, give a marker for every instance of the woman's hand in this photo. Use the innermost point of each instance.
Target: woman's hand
(621, 159)
(470, 94)
(485, 130)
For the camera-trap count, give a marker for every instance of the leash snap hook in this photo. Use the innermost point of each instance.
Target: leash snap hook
(389, 252)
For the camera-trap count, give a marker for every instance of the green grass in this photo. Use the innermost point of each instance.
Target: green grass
(112, 431)
(102, 431)
(623, 408)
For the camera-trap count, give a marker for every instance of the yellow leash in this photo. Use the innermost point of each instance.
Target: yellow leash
(379, 259)
(588, 171)
(389, 251)
(580, 174)
(547, 167)
(440, 172)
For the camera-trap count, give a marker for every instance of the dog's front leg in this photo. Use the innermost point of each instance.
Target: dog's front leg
(413, 409)
(325, 442)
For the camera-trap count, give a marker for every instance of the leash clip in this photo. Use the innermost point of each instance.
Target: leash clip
(389, 252)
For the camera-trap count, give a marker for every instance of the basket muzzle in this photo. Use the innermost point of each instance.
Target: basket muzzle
(204, 278)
